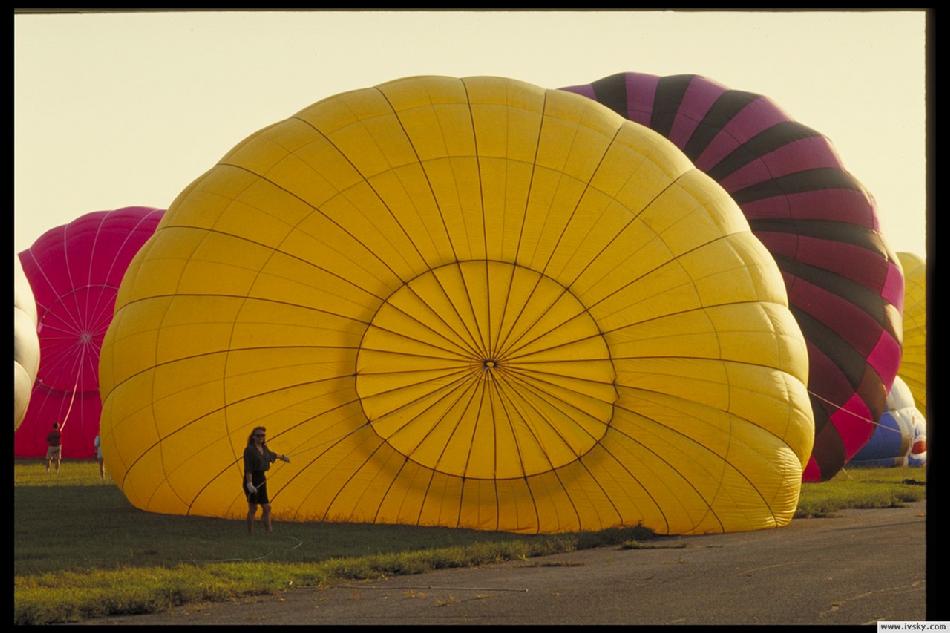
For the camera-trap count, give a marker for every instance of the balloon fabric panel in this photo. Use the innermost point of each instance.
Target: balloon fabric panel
(913, 368)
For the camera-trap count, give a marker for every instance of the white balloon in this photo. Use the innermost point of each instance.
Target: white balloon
(26, 343)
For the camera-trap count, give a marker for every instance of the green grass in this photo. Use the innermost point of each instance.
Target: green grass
(862, 488)
(82, 551)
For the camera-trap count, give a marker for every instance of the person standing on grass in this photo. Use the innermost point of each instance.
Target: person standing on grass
(98, 444)
(54, 447)
(257, 460)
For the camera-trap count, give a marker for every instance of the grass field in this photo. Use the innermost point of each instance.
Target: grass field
(81, 550)
(862, 488)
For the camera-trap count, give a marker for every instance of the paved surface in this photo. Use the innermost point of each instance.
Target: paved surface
(856, 568)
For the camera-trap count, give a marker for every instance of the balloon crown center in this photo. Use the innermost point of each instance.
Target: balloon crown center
(85, 337)
(489, 363)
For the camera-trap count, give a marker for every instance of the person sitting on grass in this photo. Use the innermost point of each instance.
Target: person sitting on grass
(257, 460)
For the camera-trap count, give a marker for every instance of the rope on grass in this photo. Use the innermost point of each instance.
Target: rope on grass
(243, 560)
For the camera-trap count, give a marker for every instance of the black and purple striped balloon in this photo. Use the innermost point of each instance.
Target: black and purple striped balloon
(844, 284)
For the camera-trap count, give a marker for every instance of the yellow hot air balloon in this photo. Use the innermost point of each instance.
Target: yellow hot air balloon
(913, 367)
(460, 302)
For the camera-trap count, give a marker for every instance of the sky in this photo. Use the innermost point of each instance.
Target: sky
(121, 109)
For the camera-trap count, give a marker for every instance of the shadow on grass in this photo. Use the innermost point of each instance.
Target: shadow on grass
(83, 552)
(74, 528)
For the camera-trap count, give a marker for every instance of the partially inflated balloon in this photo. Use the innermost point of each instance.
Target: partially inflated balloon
(918, 448)
(891, 442)
(75, 270)
(901, 402)
(460, 302)
(26, 344)
(817, 220)
(913, 367)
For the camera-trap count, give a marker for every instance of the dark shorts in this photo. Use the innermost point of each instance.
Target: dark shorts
(260, 497)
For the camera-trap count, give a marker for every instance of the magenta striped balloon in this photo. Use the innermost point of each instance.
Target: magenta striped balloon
(74, 271)
(844, 284)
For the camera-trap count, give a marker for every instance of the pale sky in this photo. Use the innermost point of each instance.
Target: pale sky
(120, 109)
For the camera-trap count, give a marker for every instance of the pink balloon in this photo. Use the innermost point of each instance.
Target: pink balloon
(74, 271)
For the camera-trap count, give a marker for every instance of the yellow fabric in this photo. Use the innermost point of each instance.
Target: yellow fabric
(913, 367)
(460, 302)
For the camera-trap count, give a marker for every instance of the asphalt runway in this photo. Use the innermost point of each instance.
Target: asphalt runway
(858, 567)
